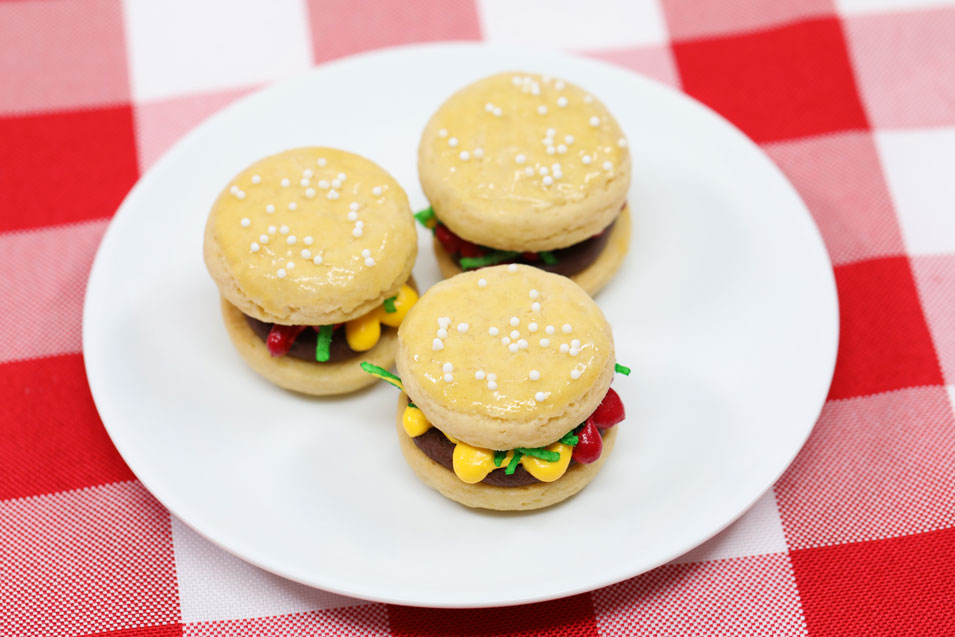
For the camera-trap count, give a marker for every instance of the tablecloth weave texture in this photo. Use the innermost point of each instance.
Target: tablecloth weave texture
(855, 101)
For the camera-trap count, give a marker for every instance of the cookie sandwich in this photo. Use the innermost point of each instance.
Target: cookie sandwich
(312, 251)
(505, 374)
(529, 169)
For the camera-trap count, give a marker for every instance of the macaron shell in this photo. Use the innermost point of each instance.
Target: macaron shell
(274, 218)
(492, 177)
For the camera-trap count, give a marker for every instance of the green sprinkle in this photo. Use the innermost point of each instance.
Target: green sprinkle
(383, 374)
(539, 452)
(499, 457)
(469, 263)
(323, 345)
(548, 257)
(424, 217)
(620, 369)
(570, 439)
(512, 466)
(390, 305)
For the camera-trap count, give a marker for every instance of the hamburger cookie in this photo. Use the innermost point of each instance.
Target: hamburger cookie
(312, 251)
(523, 168)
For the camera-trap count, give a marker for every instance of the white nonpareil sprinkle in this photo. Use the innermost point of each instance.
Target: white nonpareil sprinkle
(444, 322)
(493, 331)
(369, 262)
(534, 375)
(270, 209)
(569, 139)
(292, 205)
(586, 159)
(310, 192)
(341, 177)
(336, 183)
(595, 121)
(354, 206)
(543, 170)
(532, 327)
(544, 342)
(263, 238)
(464, 155)
(453, 142)
(562, 101)
(333, 194)
(291, 240)
(352, 216)
(306, 253)
(245, 222)
(622, 143)
(550, 132)
(280, 274)
(588, 99)
(323, 184)
(505, 340)
(575, 343)
(520, 159)
(271, 229)
(321, 161)
(290, 265)
(256, 179)
(308, 240)
(550, 329)
(442, 333)
(285, 183)
(540, 396)
(492, 376)
(283, 229)
(448, 378)
(497, 111)
(533, 294)
(535, 306)
(318, 259)
(573, 351)
(443, 132)
(514, 321)
(608, 165)
(447, 367)
(478, 153)
(479, 374)
(521, 343)
(304, 182)
(482, 283)
(512, 348)
(564, 348)
(529, 171)
(356, 231)
(551, 150)
(359, 224)
(376, 191)
(254, 247)
(559, 85)
(512, 267)
(542, 110)
(462, 328)
(515, 334)
(489, 107)
(366, 253)
(575, 373)
(547, 181)
(234, 189)
(307, 173)
(437, 345)
(491, 385)
(561, 149)
(566, 328)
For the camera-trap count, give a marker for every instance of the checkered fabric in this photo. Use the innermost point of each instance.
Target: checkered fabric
(853, 99)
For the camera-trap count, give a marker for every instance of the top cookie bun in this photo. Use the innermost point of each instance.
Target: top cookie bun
(520, 161)
(504, 357)
(310, 236)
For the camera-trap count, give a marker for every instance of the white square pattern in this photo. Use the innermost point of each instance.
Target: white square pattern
(919, 169)
(215, 585)
(178, 47)
(872, 6)
(570, 24)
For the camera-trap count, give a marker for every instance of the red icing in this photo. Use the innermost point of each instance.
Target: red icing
(281, 337)
(589, 445)
(609, 412)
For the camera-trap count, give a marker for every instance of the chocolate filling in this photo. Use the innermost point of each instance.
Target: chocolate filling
(303, 348)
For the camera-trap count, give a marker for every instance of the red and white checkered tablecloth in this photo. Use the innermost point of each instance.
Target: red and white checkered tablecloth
(854, 99)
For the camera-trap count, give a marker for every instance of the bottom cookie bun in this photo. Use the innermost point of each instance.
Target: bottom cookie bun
(316, 379)
(593, 278)
(483, 496)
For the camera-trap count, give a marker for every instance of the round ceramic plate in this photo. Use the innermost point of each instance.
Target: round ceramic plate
(725, 309)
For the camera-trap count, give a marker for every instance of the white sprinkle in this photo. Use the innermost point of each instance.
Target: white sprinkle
(532, 327)
(323, 184)
(453, 142)
(234, 190)
(307, 173)
(586, 159)
(569, 139)
(551, 132)
(491, 385)
(341, 177)
(464, 155)
(336, 183)
(562, 101)
(575, 373)
(595, 121)
(533, 294)
(309, 192)
(448, 378)
(254, 247)
(550, 329)
(245, 222)
(515, 321)
(489, 107)
(479, 152)
(516, 80)
(308, 240)
(573, 351)
(256, 179)
(291, 240)
(359, 224)
(540, 396)
(356, 231)
(376, 191)
(352, 216)
(354, 206)
(285, 183)
(522, 343)
(462, 328)
(437, 345)
(442, 333)
(270, 208)
(520, 159)
(575, 343)
(492, 376)
(304, 182)
(263, 238)
(544, 342)
(271, 229)
(588, 99)
(542, 110)
(333, 194)
(512, 348)
(479, 374)
(290, 265)
(497, 111)
(559, 85)
(608, 165)
(482, 283)
(536, 306)
(566, 328)
(443, 132)
(622, 143)
(534, 375)
(561, 149)
(281, 273)
(369, 262)
(283, 229)
(551, 150)
(292, 205)
(444, 322)
(505, 340)
(515, 334)
(564, 348)
(529, 171)
(366, 252)
(512, 267)
(306, 253)
(543, 170)
(548, 180)
(447, 367)
(493, 331)
(321, 161)
(318, 259)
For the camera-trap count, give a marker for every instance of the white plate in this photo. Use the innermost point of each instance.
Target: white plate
(725, 308)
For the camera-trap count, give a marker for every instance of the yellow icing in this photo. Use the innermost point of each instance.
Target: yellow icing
(497, 176)
(406, 298)
(364, 332)
(387, 233)
(549, 471)
(414, 422)
(472, 464)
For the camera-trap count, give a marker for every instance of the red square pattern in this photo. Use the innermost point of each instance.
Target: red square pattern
(742, 596)
(65, 167)
(788, 82)
(165, 630)
(874, 467)
(935, 276)
(902, 586)
(51, 438)
(904, 65)
(366, 619)
(56, 55)
(568, 616)
(654, 61)
(700, 18)
(840, 179)
(93, 560)
(884, 343)
(342, 27)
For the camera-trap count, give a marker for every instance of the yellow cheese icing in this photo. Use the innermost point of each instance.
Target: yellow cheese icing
(364, 332)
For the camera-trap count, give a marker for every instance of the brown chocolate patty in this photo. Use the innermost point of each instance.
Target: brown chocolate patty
(303, 348)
